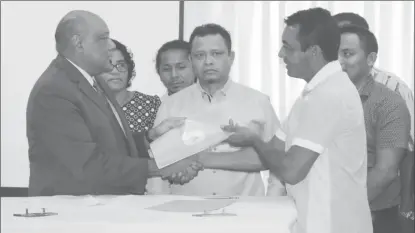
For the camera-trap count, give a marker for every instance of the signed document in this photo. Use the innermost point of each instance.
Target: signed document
(199, 132)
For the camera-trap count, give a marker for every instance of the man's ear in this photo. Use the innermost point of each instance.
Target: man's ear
(371, 58)
(232, 57)
(77, 42)
(315, 50)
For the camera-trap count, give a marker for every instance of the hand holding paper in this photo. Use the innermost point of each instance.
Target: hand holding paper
(198, 133)
(165, 126)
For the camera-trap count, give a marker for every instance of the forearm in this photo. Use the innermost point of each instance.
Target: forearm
(244, 160)
(153, 170)
(272, 157)
(378, 180)
(406, 177)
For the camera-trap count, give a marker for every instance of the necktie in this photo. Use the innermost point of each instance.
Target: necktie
(108, 104)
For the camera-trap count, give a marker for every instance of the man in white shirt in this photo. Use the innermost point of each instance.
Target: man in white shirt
(320, 150)
(176, 73)
(228, 171)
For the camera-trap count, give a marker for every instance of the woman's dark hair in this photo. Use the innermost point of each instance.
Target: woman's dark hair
(174, 44)
(128, 57)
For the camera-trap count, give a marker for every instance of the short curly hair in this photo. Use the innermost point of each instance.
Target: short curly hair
(128, 57)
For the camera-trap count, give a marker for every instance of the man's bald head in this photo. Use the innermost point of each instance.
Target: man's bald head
(83, 38)
(72, 24)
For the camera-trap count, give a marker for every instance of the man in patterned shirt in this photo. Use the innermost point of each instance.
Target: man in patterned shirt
(387, 123)
(396, 84)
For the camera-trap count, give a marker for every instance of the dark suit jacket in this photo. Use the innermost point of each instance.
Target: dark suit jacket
(74, 145)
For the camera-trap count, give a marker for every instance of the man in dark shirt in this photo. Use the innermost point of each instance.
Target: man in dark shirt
(387, 122)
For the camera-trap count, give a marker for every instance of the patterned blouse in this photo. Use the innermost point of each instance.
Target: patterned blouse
(141, 111)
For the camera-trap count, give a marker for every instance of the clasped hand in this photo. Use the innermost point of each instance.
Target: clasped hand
(188, 167)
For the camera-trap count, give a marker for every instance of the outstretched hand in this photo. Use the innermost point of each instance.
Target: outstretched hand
(241, 136)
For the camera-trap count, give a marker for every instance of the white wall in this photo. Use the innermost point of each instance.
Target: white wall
(27, 48)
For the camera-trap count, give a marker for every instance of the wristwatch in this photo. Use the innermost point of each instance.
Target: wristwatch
(408, 215)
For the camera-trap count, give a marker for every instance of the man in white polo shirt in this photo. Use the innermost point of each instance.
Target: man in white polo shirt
(320, 150)
(228, 171)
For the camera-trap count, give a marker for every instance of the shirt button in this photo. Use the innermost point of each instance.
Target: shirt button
(213, 193)
(214, 171)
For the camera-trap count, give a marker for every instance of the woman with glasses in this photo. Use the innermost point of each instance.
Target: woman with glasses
(140, 109)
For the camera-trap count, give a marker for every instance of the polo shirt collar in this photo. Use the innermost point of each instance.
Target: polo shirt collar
(221, 92)
(367, 87)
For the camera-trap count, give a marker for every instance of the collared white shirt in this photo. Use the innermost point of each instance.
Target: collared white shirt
(88, 77)
(242, 104)
(328, 119)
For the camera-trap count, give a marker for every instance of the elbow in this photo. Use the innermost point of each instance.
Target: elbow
(293, 177)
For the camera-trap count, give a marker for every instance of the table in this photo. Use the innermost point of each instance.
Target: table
(128, 214)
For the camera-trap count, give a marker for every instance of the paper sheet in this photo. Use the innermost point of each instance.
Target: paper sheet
(199, 132)
(195, 206)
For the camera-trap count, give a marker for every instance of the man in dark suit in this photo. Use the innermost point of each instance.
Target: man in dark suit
(79, 143)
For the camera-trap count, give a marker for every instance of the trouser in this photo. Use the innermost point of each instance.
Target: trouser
(386, 220)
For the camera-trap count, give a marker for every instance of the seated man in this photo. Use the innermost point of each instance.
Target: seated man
(228, 171)
(387, 123)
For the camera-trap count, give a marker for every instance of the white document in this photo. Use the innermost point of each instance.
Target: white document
(199, 132)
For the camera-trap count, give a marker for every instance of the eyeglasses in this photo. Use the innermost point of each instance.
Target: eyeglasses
(121, 67)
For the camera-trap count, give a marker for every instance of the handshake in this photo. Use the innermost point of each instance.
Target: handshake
(188, 169)
(184, 170)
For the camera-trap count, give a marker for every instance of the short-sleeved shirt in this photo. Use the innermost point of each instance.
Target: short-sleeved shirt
(394, 83)
(387, 123)
(242, 104)
(328, 119)
(140, 111)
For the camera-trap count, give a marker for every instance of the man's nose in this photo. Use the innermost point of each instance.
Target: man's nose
(208, 59)
(281, 53)
(175, 74)
(111, 44)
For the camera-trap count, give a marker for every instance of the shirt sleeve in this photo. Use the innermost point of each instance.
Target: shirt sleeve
(393, 125)
(272, 123)
(408, 97)
(395, 83)
(319, 122)
(155, 105)
(162, 113)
